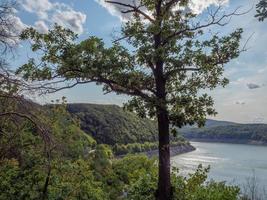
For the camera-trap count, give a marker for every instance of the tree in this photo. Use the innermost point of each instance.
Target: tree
(171, 64)
(9, 32)
(11, 87)
(15, 111)
(261, 10)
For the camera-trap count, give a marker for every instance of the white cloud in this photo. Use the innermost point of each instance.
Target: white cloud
(49, 13)
(40, 7)
(115, 10)
(41, 26)
(197, 6)
(70, 19)
(18, 24)
(11, 28)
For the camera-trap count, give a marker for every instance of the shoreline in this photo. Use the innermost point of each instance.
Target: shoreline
(174, 151)
(229, 141)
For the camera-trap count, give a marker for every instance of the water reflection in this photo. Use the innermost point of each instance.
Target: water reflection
(229, 162)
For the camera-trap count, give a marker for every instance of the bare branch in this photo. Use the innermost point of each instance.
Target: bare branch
(44, 131)
(8, 30)
(220, 21)
(132, 9)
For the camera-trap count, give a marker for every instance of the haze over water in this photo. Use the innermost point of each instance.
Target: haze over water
(233, 163)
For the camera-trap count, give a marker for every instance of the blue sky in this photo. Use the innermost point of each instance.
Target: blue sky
(243, 100)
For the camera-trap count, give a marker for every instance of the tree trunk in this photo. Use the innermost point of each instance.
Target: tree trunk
(164, 181)
(164, 177)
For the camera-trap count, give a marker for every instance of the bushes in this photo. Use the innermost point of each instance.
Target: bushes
(133, 177)
(78, 168)
(74, 180)
(19, 183)
(141, 147)
(67, 180)
(194, 187)
(134, 148)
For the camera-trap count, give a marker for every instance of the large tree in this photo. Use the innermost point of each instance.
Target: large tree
(167, 71)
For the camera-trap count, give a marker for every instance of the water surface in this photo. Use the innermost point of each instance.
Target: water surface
(233, 163)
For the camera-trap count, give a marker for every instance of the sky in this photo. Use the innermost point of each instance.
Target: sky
(243, 100)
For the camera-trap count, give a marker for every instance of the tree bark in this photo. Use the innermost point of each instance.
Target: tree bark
(164, 178)
(164, 181)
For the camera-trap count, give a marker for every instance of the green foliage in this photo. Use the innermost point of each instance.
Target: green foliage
(102, 161)
(127, 172)
(68, 179)
(261, 10)
(240, 133)
(166, 74)
(143, 147)
(110, 124)
(166, 47)
(70, 140)
(95, 175)
(130, 168)
(125, 131)
(193, 187)
(144, 188)
(28, 160)
(20, 182)
(134, 148)
(74, 180)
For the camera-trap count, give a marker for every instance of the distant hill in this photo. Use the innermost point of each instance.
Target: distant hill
(213, 123)
(222, 131)
(210, 123)
(110, 124)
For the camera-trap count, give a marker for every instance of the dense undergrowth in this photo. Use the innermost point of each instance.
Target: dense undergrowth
(73, 166)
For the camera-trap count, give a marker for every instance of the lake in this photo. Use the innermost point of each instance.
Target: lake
(233, 163)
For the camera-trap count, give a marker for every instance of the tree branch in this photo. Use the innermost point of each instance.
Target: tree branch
(214, 21)
(170, 4)
(170, 73)
(25, 116)
(114, 85)
(132, 8)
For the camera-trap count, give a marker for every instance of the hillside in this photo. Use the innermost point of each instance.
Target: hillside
(228, 132)
(110, 124)
(210, 123)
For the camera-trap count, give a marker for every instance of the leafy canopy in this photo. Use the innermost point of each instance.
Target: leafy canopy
(166, 36)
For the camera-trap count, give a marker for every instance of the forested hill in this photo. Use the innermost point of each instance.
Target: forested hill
(215, 123)
(218, 131)
(110, 124)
